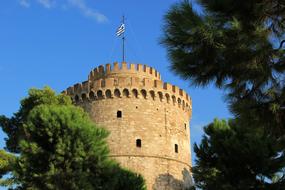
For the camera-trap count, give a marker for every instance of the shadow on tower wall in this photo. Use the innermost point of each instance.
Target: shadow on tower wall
(168, 182)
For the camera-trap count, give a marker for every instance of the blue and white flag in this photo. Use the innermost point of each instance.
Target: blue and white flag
(121, 30)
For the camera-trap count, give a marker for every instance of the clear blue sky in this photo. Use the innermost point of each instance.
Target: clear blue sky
(57, 43)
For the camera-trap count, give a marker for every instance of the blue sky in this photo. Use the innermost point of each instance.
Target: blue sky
(57, 43)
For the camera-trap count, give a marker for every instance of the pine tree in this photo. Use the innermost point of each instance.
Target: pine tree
(237, 158)
(239, 46)
(60, 148)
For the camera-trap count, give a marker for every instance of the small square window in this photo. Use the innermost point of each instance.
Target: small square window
(119, 114)
(139, 143)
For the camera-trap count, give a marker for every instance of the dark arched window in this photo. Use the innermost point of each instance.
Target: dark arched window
(173, 99)
(84, 96)
(135, 93)
(126, 93)
(139, 143)
(76, 98)
(117, 93)
(152, 94)
(100, 94)
(91, 95)
(160, 95)
(179, 102)
(108, 94)
(167, 98)
(176, 148)
(143, 92)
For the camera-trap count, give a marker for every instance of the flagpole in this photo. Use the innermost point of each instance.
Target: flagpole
(123, 40)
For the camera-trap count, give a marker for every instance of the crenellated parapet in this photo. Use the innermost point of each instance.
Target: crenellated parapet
(136, 81)
(123, 69)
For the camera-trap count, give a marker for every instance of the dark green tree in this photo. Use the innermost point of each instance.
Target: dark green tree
(237, 158)
(13, 127)
(239, 47)
(61, 148)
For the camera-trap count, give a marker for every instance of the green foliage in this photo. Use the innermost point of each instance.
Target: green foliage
(237, 158)
(6, 161)
(239, 46)
(233, 45)
(13, 127)
(63, 150)
(60, 148)
(125, 179)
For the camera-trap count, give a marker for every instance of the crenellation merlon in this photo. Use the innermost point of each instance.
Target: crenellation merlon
(70, 90)
(108, 68)
(175, 89)
(124, 66)
(101, 69)
(78, 88)
(158, 84)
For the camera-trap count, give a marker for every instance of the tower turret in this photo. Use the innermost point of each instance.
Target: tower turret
(148, 121)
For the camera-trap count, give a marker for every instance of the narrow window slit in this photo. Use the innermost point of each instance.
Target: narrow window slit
(176, 148)
(139, 143)
(119, 114)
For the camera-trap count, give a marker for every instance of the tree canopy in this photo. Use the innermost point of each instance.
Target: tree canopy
(59, 148)
(239, 46)
(237, 158)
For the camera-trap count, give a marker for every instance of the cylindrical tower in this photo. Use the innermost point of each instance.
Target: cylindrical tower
(148, 121)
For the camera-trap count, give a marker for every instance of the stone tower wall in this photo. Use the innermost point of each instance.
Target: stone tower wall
(157, 113)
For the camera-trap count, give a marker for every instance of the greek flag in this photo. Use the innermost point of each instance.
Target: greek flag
(121, 30)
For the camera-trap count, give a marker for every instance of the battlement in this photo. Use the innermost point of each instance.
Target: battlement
(123, 68)
(139, 81)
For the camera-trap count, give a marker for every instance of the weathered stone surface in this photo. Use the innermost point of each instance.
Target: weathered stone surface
(157, 113)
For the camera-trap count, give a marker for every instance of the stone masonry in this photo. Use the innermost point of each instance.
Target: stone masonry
(148, 121)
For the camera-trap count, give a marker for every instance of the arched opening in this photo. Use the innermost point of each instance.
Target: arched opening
(173, 99)
(91, 95)
(76, 98)
(117, 93)
(99, 94)
(108, 93)
(167, 98)
(160, 95)
(152, 94)
(143, 92)
(183, 105)
(126, 93)
(179, 102)
(135, 93)
(139, 143)
(84, 97)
